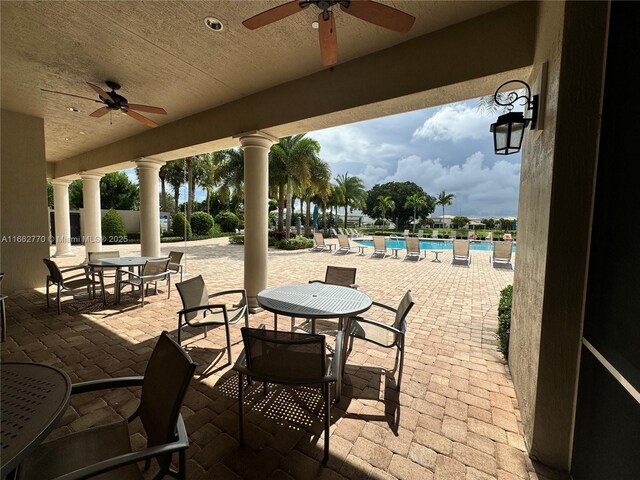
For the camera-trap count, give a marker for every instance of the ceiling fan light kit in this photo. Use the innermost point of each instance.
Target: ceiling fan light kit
(114, 101)
(367, 10)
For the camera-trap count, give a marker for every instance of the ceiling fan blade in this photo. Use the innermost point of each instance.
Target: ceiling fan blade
(379, 14)
(101, 92)
(70, 95)
(141, 119)
(328, 39)
(99, 112)
(146, 108)
(273, 14)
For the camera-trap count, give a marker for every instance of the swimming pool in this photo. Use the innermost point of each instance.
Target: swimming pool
(430, 244)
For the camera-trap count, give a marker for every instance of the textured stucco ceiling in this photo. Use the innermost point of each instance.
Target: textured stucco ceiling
(162, 54)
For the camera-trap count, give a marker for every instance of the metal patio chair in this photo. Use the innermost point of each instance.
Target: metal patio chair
(174, 264)
(72, 283)
(196, 301)
(385, 335)
(461, 252)
(413, 248)
(153, 271)
(106, 450)
(287, 358)
(501, 254)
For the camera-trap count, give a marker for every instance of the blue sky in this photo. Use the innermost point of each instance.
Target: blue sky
(445, 148)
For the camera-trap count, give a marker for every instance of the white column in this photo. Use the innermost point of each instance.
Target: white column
(92, 215)
(256, 147)
(149, 206)
(62, 225)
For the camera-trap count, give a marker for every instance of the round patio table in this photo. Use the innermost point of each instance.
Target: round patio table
(34, 397)
(313, 300)
(118, 263)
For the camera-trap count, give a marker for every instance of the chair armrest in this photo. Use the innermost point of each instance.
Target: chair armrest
(386, 307)
(105, 383)
(240, 291)
(203, 307)
(70, 269)
(378, 324)
(316, 281)
(89, 471)
(122, 272)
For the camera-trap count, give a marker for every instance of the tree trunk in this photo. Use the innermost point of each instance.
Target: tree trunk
(163, 195)
(346, 213)
(324, 215)
(187, 163)
(281, 192)
(415, 212)
(307, 225)
(289, 208)
(176, 197)
(208, 201)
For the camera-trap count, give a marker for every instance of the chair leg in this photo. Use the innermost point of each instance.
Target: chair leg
(179, 329)
(246, 316)
(142, 294)
(226, 327)
(58, 300)
(327, 414)
(182, 465)
(265, 388)
(47, 292)
(241, 407)
(3, 321)
(401, 347)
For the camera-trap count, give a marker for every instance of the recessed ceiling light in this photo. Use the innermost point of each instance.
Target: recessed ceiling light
(214, 24)
(81, 133)
(66, 139)
(72, 109)
(315, 24)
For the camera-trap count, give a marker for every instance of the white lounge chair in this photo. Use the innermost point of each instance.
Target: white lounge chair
(379, 246)
(489, 237)
(413, 248)
(420, 233)
(344, 245)
(452, 234)
(501, 254)
(405, 233)
(461, 252)
(320, 246)
(434, 233)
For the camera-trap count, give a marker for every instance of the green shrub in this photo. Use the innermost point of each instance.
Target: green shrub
(236, 239)
(113, 230)
(179, 221)
(170, 239)
(228, 221)
(504, 320)
(201, 223)
(273, 241)
(297, 243)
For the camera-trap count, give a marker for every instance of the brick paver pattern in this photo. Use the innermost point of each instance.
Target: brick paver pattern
(455, 417)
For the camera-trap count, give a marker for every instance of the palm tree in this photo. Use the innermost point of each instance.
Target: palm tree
(444, 199)
(385, 203)
(417, 201)
(231, 173)
(207, 173)
(292, 156)
(352, 192)
(175, 178)
(319, 184)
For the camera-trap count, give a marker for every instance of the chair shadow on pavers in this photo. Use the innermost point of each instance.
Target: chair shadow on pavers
(286, 422)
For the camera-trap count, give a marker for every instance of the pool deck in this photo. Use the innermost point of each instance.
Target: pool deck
(458, 414)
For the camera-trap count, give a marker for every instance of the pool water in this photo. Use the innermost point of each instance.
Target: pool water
(430, 244)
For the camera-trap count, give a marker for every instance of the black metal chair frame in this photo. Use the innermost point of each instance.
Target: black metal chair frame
(174, 264)
(56, 277)
(162, 452)
(333, 373)
(210, 308)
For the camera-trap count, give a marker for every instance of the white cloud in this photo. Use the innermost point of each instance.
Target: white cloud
(455, 123)
(480, 190)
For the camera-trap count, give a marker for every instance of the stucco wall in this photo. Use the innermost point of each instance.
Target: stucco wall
(556, 195)
(23, 202)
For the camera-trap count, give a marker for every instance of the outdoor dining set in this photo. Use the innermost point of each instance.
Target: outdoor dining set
(298, 355)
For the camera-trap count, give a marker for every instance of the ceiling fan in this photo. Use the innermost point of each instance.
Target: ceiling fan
(113, 101)
(367, 10)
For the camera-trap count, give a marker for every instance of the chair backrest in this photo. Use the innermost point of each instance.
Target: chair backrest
(345, 276)
(284, 355)
(489, 236)
(406, 304)
(461, 248)
(175, 256)
(155, 267)
(193, 293)
(165, 384)
(413, 244)
(453, 234)
(502, 250)
(54, 271)
(405, 233)
(319, 239)
(420, 233)
(434, 233)
(379, 243)
(343, 240)
(100, 255)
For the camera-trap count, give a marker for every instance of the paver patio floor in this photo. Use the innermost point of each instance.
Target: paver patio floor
(456, 416)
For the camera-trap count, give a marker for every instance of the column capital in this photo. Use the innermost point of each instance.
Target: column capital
(61, 181)
(256, 138)
(91, 176)
(149, 163)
